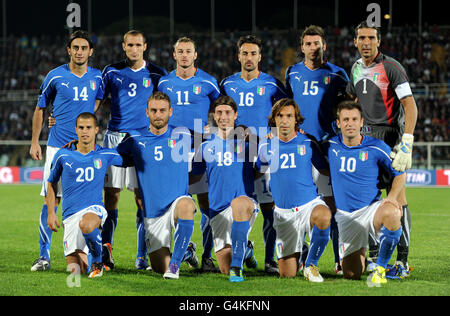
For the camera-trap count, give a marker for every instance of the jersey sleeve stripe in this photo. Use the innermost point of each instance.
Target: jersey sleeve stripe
(55, 77)
(162, 81)
(56, 161)
(273, 83)
(215, 87)
(380, 150)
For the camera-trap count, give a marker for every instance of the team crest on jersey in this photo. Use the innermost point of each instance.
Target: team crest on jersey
(197, 89)
(376, 77)
(326, 80)
(301, 149)
(97, 163)
(280, 247)
(363, 155)
(260, 90)
(93, 85)
(172, 143)
(146, 82)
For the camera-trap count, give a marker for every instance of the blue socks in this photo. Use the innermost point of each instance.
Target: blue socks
(269, 236)
(140, 228)
(45, 233)
(182, 236)
(110, 226)
(319, 240)
(207, 238)
(94, 243)
(239, 239)
(388, 241)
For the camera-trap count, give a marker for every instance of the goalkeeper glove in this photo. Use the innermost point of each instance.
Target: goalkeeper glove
(402, 153)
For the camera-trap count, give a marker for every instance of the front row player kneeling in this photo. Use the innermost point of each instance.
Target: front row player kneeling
(82, 172)
(298, 208)
(354, 166)
(232, 209)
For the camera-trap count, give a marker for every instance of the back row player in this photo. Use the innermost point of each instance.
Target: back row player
(72, 88)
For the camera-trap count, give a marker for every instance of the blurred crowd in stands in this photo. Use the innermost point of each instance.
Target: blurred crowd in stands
(25, 61)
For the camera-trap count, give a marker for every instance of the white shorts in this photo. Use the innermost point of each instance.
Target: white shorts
(262, 190)
(73, 237)
(354, 228)
(50, 152)
(323, 183)
(221, 226)
(158, 230)
(118, 177)
(200, 186)
(291, 226)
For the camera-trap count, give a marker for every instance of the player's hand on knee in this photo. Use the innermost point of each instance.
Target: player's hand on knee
(402, 153)
(392, 202)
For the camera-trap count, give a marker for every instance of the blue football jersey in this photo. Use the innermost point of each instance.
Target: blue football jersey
(317, 93)
(229, 169)
(354, 171)
(290, 165)
(190, 98)
(129, 90)
(70, 95)
(162, 167)
(254, 99)
(82, 176)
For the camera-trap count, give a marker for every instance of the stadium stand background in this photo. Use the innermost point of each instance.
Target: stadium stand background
(25, 64)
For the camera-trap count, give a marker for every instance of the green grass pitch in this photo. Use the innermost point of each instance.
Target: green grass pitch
(19, 213)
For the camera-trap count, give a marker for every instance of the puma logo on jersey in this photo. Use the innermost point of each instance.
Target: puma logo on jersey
(170, 89)
(120, 80)
(336, 152)
(298, 78)
(142, 144)
(233, 89)
(65, 84)
(69, 164)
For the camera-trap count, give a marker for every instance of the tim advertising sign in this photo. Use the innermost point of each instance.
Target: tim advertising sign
(420, 177)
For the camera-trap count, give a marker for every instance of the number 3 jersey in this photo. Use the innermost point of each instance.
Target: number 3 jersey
(354, 171)
(82, 176)
(129, 90)
(70, 95)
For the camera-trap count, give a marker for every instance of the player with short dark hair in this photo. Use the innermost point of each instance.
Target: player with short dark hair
(192, 91)
(317, 86)
(72, 88)
(226, 160)
(82, 173)
(255, 92)
(381, 86)
(299, 210)
(355, 161)
(161, 159)
(129, 83)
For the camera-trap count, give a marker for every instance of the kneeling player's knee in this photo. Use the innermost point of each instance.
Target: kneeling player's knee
(392, 218)
(321, 217)
(186, 208)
